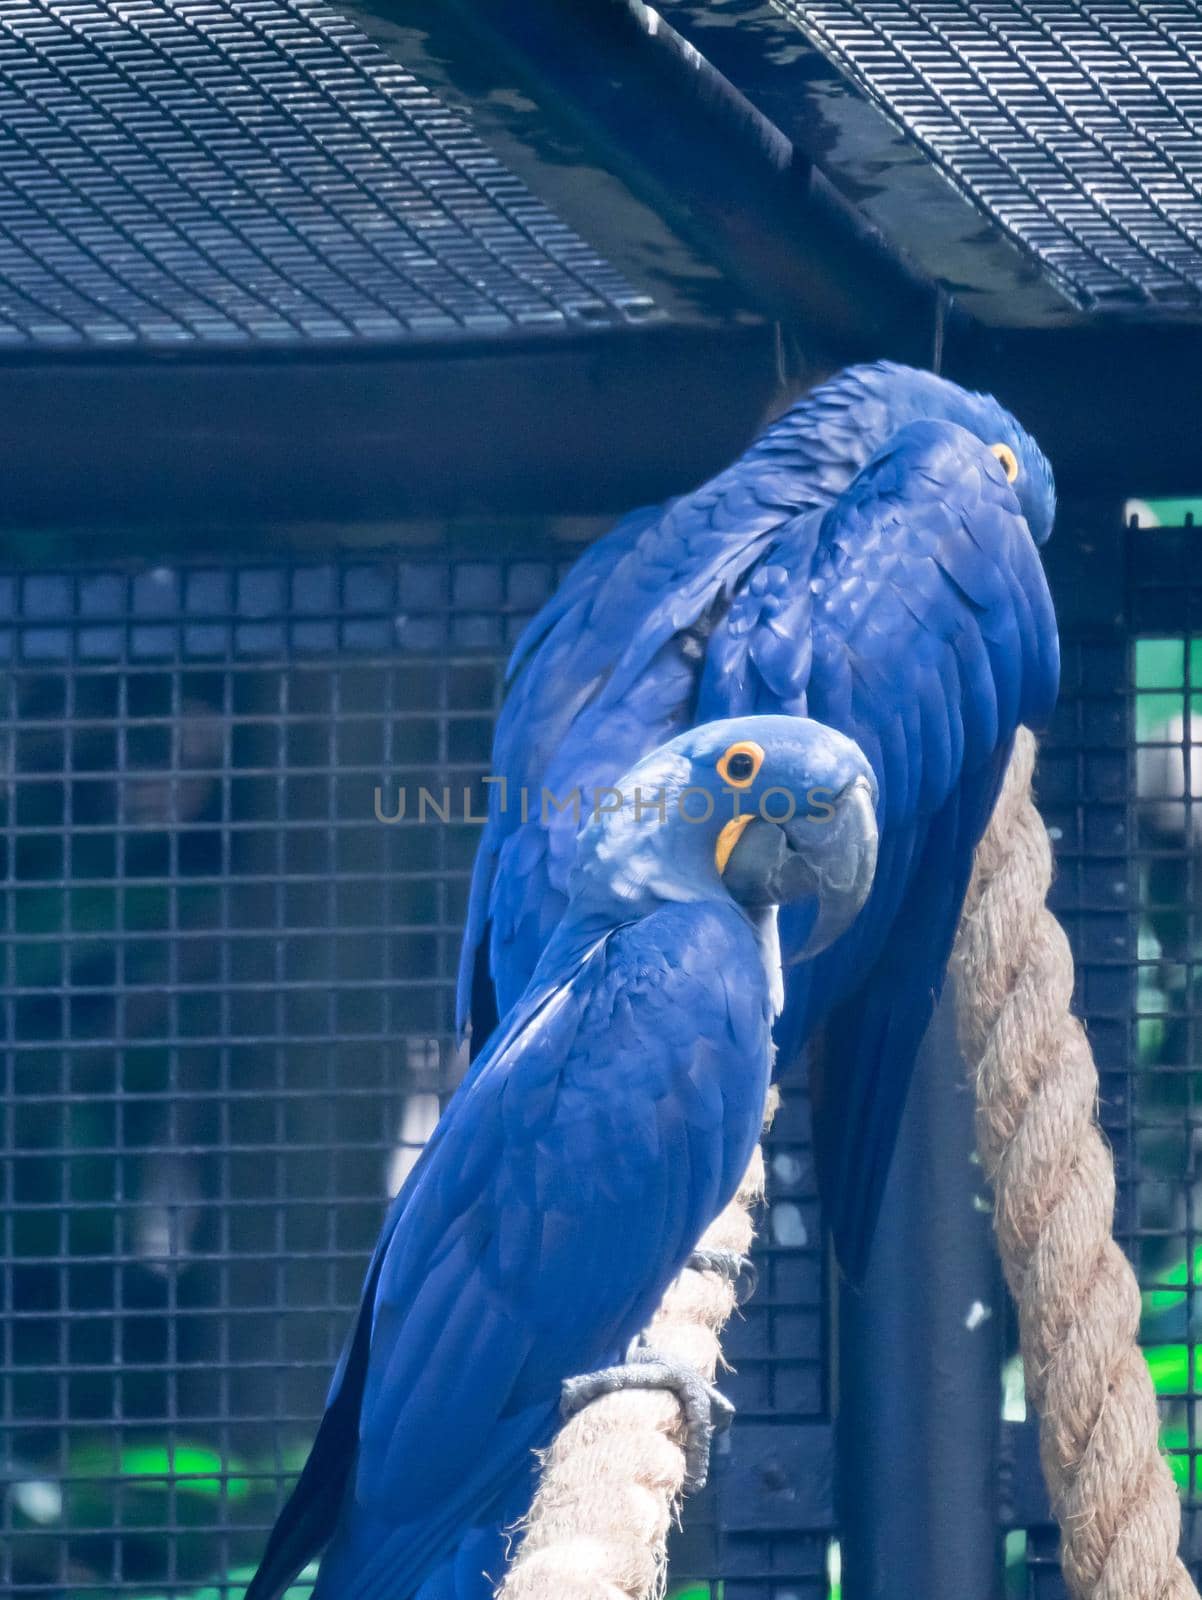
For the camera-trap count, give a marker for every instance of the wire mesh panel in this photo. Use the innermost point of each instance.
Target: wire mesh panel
(1166, 676)
(228, 1012)
(256, 173)
(238, 803)
(228, 1008)
(1071, 125)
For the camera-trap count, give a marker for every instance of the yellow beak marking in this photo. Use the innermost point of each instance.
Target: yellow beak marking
(729, 837)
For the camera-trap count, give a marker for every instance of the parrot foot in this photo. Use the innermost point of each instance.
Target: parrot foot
(739, 1269)
(706, 1410)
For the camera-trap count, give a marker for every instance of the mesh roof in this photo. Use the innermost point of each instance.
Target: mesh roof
(1073, 123)
(253, 171)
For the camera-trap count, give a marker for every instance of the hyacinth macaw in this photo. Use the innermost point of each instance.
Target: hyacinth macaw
(603, 1127)
(871, 562)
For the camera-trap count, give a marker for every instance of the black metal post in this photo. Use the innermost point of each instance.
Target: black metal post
(919, 1363)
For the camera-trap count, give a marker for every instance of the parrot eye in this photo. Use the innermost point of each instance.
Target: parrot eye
(1008, 459)
(740, 763)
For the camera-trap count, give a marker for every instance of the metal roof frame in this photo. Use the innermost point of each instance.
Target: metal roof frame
(252, 270)
(707, 172)
(1113, 402)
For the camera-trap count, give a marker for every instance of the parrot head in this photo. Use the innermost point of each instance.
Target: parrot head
(841, 425)
(766, 810)
(1027, 469)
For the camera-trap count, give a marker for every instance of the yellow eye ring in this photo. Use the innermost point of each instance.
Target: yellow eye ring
(740, 765)
(1008, 459)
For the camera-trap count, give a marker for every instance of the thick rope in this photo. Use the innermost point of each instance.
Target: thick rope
(611, 1481)
(1053, 1184)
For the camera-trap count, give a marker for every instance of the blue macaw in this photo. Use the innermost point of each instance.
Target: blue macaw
(606, 1123)
(870, 562)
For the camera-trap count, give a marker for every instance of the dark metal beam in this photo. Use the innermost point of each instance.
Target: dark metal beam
(558, 425)
(1114, 407)
(722, 176)
(867, 161)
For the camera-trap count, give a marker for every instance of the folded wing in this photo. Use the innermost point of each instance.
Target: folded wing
(933, 638)
(565, 1187)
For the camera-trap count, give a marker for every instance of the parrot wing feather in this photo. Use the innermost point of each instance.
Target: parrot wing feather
(311, 1513)
(611, 664)
(568, 1180)
(934, 638)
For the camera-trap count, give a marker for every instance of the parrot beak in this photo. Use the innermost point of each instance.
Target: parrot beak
(829, 859)
(839, 856)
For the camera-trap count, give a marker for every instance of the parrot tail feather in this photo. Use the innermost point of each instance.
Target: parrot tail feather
(304, 1527)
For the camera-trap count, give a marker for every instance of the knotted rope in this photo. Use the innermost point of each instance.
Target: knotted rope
(1053, 1185)
(611, 1481)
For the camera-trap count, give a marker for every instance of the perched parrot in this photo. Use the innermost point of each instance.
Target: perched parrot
(603, 1127)
(870, 562)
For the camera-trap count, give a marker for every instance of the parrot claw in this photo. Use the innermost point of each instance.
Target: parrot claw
(706, 1409)
(739, 1269)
